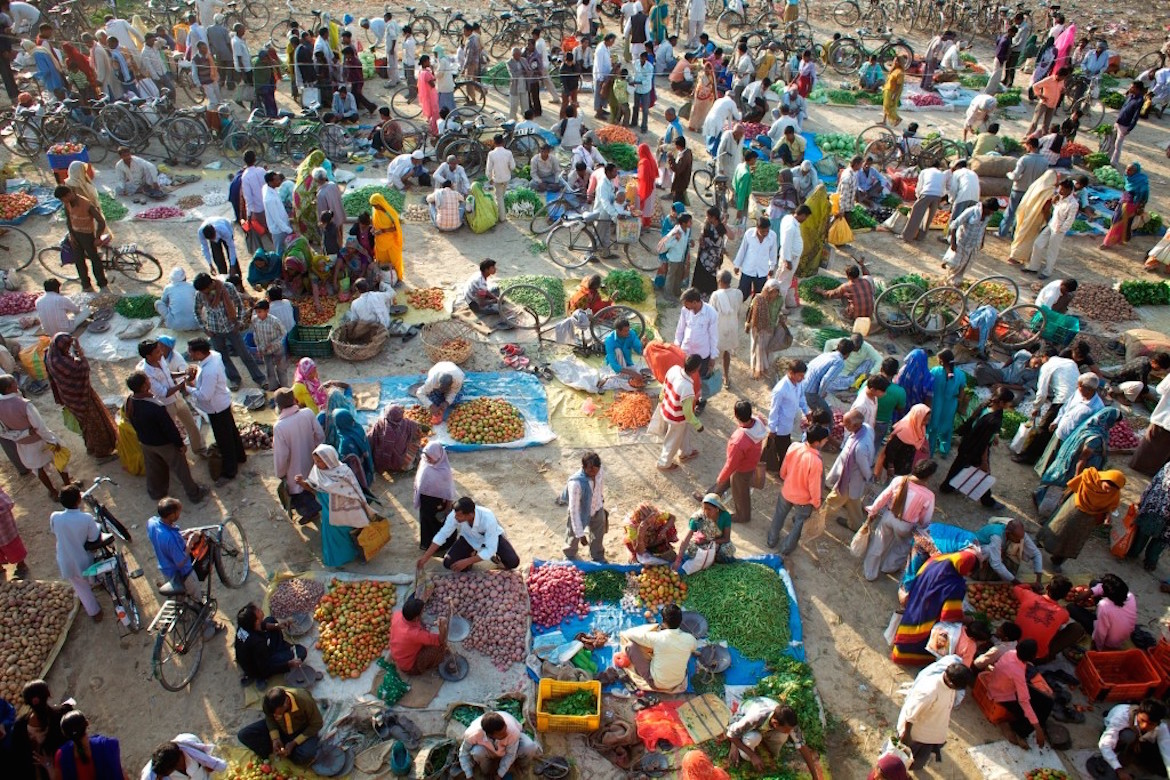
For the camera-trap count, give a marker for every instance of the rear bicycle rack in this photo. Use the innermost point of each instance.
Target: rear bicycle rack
(168, 613)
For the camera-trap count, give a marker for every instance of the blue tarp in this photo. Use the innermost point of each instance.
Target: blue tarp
(612, 619)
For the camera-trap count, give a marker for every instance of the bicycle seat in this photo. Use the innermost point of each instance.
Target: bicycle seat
(773, 25)
(137, 102)
(506, 15)
(71, 102)
(172, 589)
(720, 179)
(315, 12)
(509, 125)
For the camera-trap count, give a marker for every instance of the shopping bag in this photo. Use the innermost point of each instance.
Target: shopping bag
(781, 338)
(760, 477)
(840, 233)
(860, 541)
(814, 527)
(61, 455)
(895, 748)
(372, 538)
(71, 422)
(256, 225)
(973, 482)
(1121, 533)
(1019, 441)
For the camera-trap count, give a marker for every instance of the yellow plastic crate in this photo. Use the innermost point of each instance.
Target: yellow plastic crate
(555, 689)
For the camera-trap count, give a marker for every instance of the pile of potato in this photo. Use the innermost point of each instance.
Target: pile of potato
(34, 613)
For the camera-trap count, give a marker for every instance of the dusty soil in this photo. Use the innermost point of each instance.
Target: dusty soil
(844, 616)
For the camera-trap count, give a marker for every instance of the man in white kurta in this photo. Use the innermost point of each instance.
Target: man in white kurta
(294, 437)
(925, 718)
(791, 248)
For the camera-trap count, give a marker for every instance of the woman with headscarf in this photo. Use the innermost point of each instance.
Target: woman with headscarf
(353, 446)
(77, 62)
(950, 387)
(49, 70)
(68, 371)
(1030, 216)
(785, 201)
(428, 95)
(908, 442)
(892, 93)
(1152, 531)
(1087, 446)
(903, 509)
(394, 440)
(1133, 202)
(12, 550)
(915, 378)
(337, 397)
(343, 505)
(936, 595)
(1089, 499)
(307, 387)
(703, 96)
(712, 243)
(647, 175)
(588, 296)
(434, 492)
(387, 236)
(651, 536)
(80, 180)
(764, 317)
(305, 189)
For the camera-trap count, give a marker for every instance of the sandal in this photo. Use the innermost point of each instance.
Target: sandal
(518, 362)
(511, 350)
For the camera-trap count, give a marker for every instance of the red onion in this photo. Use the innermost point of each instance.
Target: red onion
(557, 591)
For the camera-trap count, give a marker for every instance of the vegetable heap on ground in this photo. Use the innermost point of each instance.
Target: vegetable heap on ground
(622, 154)
(792, 683)
(1112, 99)
(553, 288)
(1012, 420)
(256, 436)
(18, 302)
(745, 604)
(812, 288)
(614, 134)
(841, 144)
(993, 599)
(1009, 98)
(34, 616)
(859, 219)
(604, 585)
(486, 421)
(464, 714)
(136, 307)
(630, 411)
(428, 298)
(293, 595)
(1122, 437)
(160, 212)
(522, 200)
(765, 178)
(1102, 303)
(13, 204)
(496, 604)
(1046, 774)
(354, 623)
(259, 769)
(811, 316)
(626, 286)
(356, 201)
(578, 703)
(1109, 176)
(990, 294)
(1142, 293)
(657, 586)
(556, 591)
(111, 207)
(1094, 160)
(317, 313)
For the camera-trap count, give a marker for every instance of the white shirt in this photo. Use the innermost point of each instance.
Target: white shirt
(322, 45)
(399, 167)
(409, 50)
(161, 381)
(253, 186)
(776, 131)
(981, 104)
(1075, 411)
(697, 10)
(53, 310)
(602, 65)
(950, 60)
(210, 393)
(194, 35)
(378, 30)
(591, 157)
(136, 174)
(596, 501)
(929, 703)
(931, 181)
(721, 111)
(241, 54)
(1060, 376)
(373, 306)
(698, 332)
(964, 186)
(1050, 294)
(1064, 213)
(756, 257)
(500, 164)
(1122, 717)
(1161, 414)
(866, 405)
(791, 243)
(457, 177)
(24, 17)
(753, 91)
(274, 214)
(482, 533)
(283, 311)
(432, 381)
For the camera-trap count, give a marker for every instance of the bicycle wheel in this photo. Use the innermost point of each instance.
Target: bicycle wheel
(403, 105)
(50, 258)
(1154, 59)
(123, 594)
(26, 139)
(602, 323)
(95, 145)
(1092, 112)
(703, 183)
(892, 307)
(729, 25)
(281, 29)
(1018, 327)
(523, 148)
(888, 52)
(571, 244)
(174, 662)
(335, 142)
(846, 13)
(882, 139)
(138, 265)
(641, 257)
(938, 310)
(426, 31)
(523, 306)
(238, 142)
(471, 155)
(453, 31)
(846, 56)
(16, 248)
(233, 555)
(470, 95)
(301, 142)
(941, 153)
(192, 91)
(256, 15)
(1002, 292)
(549, 216)
(184, 138)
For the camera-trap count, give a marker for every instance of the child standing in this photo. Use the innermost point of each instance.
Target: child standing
(269, 333)
(409, 60)
(727, 301)
(619, 99)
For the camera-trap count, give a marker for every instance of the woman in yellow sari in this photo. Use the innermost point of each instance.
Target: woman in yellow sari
(387, 234)
(892, 93)
(703, 96)
(1030, 217)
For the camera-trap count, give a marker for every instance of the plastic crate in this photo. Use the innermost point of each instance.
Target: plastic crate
(62, 161)
(1118, 675)
(1058, 328)
(310, 341)
(1164, 674)
(555, 689)
(992, 710)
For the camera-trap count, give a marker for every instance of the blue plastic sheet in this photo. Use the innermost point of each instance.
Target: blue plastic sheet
(612, 619)
(46, 203)
(812, 152)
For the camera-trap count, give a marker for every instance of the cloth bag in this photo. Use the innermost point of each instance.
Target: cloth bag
(860, 542)
(781, 338)
(814, 527)
(61, 455)
(1121, 534)
(372, 538)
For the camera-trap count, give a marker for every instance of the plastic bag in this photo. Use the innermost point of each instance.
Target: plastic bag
(840, 233)
(1121, 534)
(895, 748)
(1019, 440)
(61, 455)
(860, 541)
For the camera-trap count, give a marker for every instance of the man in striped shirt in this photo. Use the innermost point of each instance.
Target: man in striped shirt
(676, 413)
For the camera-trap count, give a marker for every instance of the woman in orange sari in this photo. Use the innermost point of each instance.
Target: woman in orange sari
(703, 96)
(387, 235)
(647, 175)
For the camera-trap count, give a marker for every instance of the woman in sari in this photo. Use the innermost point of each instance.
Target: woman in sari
(1133, 202)
(434, 493)
(307, 387)
(903, 509)
(915, 378)
(304, 212)
(704, 97)
(1089, 498)
(1152, 531)
(294, 268)
(68, 371)
(936, 594)
(763, 318)
(950, 385)
(337, 398)
(647, 175)
(651, 536)
(938, 539)
(343, 505)
(428, 96)
(712, 241)
(353, 446)
(1031, 218)
(394, 440)
(264, 269)
(77, 62)
(387, 236)
(588, 296)
(892, 93)
(12, 550)
(908, 442)
(1087, 446)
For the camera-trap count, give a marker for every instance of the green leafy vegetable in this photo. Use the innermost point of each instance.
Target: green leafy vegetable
(604, 585)
(1009, 98)
(1011, 146)
(136, 307)
(846, 97)
(812, 316)
(860, 218)
(1153, 226)
(554, 288)
(496, 75)
(1012, 420)
(578, 703)
(356, 201)
(626, 286)
(917, 279)
(765, 178)
(974, 80)
(1081, 226)
(111, 207)
(745, 604)
(793, 684)
(523, 195)
(466, 713)
(811, 289)
(891, 201)
(624, 156)
(1109, 176)
(823, 335)
(1142, 293)
(1094, 160)
(1112, 99)
(995, 220)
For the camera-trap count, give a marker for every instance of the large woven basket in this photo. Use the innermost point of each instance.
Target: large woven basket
(448, 340)
(355, 341)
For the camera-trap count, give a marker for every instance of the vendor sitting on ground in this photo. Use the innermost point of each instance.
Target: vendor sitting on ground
(620, 347)
(1135, 743)
(708, 539)
(481, 539)
(135, 175)
(494, 743)
(857, 290)
(1003, 547)
(790, 148)
(588, 295)
(1057, 295)
(446, 207)
(659, 654)
(764, 721)
(441, 389)
(414, 649)
(871, 77)
(869, 183)
(373, 305)
(261, 650)
(289, 727)
(1140, 370)
(481, 295)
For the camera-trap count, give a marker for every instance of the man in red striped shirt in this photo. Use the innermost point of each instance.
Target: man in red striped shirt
(676, 413)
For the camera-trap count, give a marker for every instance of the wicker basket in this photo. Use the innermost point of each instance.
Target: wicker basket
(448, 340)
(356, 341)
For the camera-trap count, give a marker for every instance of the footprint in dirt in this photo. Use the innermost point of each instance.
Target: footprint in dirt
(96, 683)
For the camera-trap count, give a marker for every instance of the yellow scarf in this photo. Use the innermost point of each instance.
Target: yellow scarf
(1093, 495)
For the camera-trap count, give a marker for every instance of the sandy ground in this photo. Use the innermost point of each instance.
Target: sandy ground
(844, 616)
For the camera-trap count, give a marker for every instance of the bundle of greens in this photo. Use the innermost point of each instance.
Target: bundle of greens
(604, 585)
(1011, 146)
(859, 218)
(766, 177)
(577, 703)
(812, 288)
(812, 316)
(111, 207)
(1012, 420)
(1112, 99)
(553, 288)
(624, 156)
(626, 286)
(1141, 293)
(136, 307)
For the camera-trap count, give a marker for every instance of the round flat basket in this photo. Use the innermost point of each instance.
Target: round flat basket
(448, 340)
(356, 341)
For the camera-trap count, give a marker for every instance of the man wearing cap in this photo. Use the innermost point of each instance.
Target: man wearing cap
(294, 437)
(763, 721)
(925, 718)
(442, 387)
(403, 168)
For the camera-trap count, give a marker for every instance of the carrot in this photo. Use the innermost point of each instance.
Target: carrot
(630, 411)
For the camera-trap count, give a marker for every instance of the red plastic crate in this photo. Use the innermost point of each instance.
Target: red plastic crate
(1118, 675)
(1161, 654)
(1163, 686)
(992, 710)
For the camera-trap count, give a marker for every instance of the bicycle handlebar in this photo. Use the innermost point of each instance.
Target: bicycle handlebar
(97, 481)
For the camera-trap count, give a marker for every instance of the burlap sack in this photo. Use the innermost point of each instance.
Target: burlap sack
(992, 165)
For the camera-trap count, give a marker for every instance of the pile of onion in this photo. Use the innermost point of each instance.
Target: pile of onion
(557, 592)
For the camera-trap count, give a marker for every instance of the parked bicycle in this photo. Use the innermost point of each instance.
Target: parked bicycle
(16, 248)
(127, 259)
(110, 567)
(847, 54)
(575, 242)
(181, 622)
(710, 187)
(887, 148)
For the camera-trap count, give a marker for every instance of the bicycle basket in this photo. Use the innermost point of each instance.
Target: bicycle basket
(201, 556)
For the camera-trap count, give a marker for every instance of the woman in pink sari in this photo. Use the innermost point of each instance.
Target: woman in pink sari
(1064, 44)
(428, 96)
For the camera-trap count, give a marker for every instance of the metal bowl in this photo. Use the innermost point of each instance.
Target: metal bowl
(458, 628)
(694, 624)
(715, 658)
(332, 761)
(454, 668)
(302, 623)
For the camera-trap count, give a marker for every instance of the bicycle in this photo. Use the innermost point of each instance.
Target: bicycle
(13, 243)
(468, 94)
(887, 148)
(127, 259)
(281, 29)
(1080, 95)
(109, 567)
(846, 55)
(252, 14)
(849, 12)
(295, 138)
(710, 187)
(574, 242)
(181, 622)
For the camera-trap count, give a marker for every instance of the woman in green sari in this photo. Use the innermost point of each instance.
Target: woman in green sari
(343, 505)
(305, 197)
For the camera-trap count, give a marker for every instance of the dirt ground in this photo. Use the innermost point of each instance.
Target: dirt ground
(843, 616)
